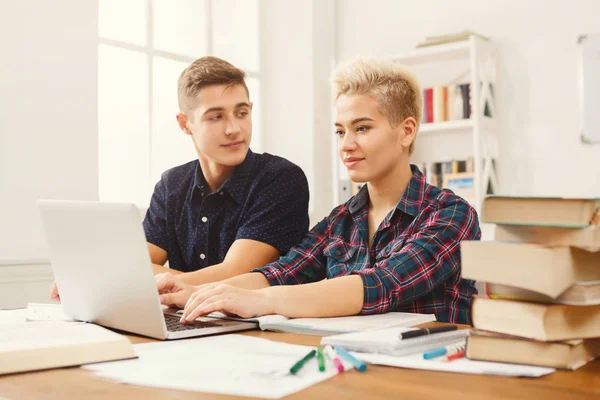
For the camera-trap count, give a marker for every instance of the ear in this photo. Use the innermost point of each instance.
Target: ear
(408, 131)
(182, 120)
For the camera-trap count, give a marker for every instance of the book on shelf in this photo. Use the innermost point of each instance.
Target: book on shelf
(542, 211)
(336, 325)
(584, 238)
(34, 346)
(546, 322)
(549, 270)
(579, 294)
(448, 38)
(446, 103)
(497, 347)
(387, 341)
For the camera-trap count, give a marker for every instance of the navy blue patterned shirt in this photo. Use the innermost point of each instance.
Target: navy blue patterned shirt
(265, 199)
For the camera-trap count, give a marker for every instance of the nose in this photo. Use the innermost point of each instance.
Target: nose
(347, 142)
(233, 128)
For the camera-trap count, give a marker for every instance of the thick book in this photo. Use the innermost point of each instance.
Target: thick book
(547, 322)
(584, 238)
(336, 325)
(549, 270)
(542, 211)
(580, 294)
(34, 346)
(388, 341)
(569, 354)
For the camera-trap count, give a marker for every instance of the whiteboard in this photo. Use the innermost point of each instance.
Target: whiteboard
(589, 52)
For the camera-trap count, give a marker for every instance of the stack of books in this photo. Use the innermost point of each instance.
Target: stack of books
(542, 276)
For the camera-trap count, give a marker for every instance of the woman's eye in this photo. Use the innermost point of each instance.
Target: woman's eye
(362, 128)
(339, 133)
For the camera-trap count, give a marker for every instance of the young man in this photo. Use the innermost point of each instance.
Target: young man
(393, 247)
(231, 210)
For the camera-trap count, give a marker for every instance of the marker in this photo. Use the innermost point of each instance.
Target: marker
(303, 361)
(426, 331)
(330, 353)
(455, 356)
(442, 351)
(320, 358)
(359, 365)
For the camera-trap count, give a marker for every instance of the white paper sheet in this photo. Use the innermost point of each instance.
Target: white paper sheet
(46, 312)
(462, 365)
(228, 364)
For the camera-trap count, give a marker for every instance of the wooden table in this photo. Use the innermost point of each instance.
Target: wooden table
(378, 382)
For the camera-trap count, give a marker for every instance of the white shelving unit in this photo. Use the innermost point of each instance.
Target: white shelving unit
(472, 61)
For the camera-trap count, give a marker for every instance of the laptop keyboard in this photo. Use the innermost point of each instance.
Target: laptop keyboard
(173, 324)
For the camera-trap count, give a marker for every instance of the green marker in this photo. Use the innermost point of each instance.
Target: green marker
(320, 358)
(301, 363)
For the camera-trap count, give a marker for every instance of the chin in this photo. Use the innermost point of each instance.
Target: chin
(233, 159)
(358, 177)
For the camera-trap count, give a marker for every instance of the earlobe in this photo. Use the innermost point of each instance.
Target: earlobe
(182, 120)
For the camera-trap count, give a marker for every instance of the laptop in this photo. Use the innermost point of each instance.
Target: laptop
(102, 267)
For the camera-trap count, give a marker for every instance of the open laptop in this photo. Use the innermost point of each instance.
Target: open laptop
(102, 267)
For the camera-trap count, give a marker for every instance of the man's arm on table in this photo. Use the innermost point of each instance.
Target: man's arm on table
(243, 256)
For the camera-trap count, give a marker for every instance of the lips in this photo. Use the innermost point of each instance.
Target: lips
(233, 144)
(350, 162)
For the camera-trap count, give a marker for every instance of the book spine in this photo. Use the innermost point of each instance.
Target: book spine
(429, 102)
(450, 104)
(438, 104)
(424, 119)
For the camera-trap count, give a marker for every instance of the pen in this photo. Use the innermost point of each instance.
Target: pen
(320, 358)
(330, 353)
(361, 366)
(426, 331)
(301, 363)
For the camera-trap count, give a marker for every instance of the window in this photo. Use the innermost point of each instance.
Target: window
(143, 46)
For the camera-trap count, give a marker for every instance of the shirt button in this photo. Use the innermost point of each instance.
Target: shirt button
(338, 253)
(202, 256)
(221, 193)
(204, 219)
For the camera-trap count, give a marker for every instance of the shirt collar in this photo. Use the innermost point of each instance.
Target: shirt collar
(236, 184)
(411, 201)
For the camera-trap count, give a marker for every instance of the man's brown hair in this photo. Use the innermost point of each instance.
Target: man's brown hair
(204, 72)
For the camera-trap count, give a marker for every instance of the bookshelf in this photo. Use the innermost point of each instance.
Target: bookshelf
(471, 61)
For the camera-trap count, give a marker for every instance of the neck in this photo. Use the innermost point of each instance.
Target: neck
(386, 192)
(215, 174)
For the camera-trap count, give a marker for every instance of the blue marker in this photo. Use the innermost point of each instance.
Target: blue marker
(359, 365)
(435, 353)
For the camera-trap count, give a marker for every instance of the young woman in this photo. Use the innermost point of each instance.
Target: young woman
(394, 246)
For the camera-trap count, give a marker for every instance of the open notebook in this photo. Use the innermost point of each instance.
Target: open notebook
(336, 325)
(387, 341)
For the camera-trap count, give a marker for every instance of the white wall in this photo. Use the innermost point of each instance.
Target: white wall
(297, 52)
(48, 115)
(540, 148)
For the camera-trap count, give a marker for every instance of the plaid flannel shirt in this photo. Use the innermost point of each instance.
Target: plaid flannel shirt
(413, 264)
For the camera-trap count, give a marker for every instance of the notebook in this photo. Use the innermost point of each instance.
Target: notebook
(336, 325)
(387, 341)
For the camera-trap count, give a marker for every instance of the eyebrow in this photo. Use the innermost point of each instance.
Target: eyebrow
(213, 109)
(356, 121)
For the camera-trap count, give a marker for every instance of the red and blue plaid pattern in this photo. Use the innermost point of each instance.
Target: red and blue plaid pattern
(413, 264)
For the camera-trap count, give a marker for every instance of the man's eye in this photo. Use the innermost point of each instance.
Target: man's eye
(215, 118)
(362, 128)
(242, 113)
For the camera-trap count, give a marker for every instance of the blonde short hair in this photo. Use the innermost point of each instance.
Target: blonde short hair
(204, 72)
(395, 88)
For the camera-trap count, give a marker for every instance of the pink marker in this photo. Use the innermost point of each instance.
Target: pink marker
(331, 354)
